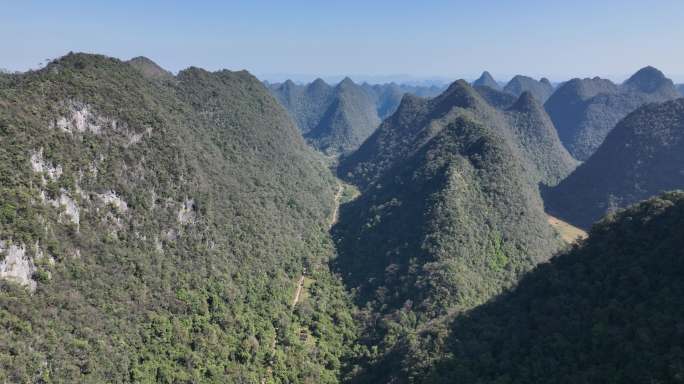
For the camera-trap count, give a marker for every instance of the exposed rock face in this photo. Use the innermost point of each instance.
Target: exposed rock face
(16, 265)
(154, 207)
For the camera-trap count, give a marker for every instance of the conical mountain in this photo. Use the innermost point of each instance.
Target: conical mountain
(154, 231)
(337, 119)
(349, 119)
(527, 128)
(449, 215)
(584, 111)
(538, 139)
(608, 310)
(652, 81)
(540, 89)
(486, 80)
(150, 69)
(642, 157)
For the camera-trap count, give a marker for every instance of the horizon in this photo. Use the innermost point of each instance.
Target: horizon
(383, 40)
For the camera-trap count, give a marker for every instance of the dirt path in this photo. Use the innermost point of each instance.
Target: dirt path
(300, 283)
(298, 294)
(336, 210)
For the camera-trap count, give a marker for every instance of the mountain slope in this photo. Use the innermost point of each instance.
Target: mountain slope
(680, 88)
(585, 110)
(641, 157)
(449, 215)
(158, 230)
(149, 68)
(486, 80)
(608, 310)
(338, 119)
(526, 126)
(347, 122)
(495, 98)
(541, 89)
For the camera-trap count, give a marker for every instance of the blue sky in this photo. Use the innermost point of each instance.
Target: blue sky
(449, 39)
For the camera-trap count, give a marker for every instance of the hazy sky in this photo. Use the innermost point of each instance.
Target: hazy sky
(557, 39)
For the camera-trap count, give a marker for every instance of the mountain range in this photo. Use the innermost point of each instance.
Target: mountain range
(540, 89)
(585, 110)
(449, 215)
(207, 227)
(641, 157)
(337, 119)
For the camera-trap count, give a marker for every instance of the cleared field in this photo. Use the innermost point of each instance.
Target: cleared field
(568, 232)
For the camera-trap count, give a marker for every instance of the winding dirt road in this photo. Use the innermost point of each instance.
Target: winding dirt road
(300, 283)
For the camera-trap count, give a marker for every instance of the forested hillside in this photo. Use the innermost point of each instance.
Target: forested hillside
(641, 157)
(585, 110)
(608, 310)
(449, 216)
(525, 125)
(153, 229)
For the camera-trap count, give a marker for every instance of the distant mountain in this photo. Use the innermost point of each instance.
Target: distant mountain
(585, 110)
(149, 68)
(349, 119)
(641, 157)
(449, 215)
(338, 119)
(155, 231)
(608, 310)
(486, 80)
(388, 96)
(541, 89)
(680, 88)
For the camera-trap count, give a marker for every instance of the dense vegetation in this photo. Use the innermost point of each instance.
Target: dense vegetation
(163, 224)
(497, 99)
(540, 89)
(585, 110)
(525, 125)
(608, 311)
(338, 119)
(486, 80)
(449, 216)
(155, 228)
(641, 157)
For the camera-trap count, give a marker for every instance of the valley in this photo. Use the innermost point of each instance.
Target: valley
(212, 227)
